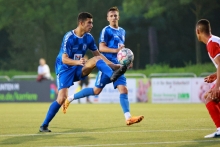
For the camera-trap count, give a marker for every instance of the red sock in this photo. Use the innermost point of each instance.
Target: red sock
(214, 112)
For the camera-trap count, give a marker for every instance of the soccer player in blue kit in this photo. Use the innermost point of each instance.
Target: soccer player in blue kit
(111, 41)
(71, 66)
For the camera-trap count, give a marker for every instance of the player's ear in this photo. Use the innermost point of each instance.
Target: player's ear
(81, 23)
(197, 31)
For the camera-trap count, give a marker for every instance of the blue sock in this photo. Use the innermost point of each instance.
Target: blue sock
(84, 93)
(103, 67)
(124, 102)
(54, 107)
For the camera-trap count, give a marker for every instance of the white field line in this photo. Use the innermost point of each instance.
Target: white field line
(144, 143)
(108, 132)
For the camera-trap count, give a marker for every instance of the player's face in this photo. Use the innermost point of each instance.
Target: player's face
(87, 25)
(113, 17)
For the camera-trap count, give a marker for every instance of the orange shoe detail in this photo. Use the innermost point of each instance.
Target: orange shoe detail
(135, 119)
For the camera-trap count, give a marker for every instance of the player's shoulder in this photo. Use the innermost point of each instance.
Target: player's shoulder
(89, 35)
(213, 40)
(106, 28)
(68, 35)
(120, 28)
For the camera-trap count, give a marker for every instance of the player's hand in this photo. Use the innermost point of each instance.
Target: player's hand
(82, 61)
(211, 78)
(130, 66)
(215, 93)
(121, 46)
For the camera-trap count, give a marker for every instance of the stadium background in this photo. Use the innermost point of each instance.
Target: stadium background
(159, 32)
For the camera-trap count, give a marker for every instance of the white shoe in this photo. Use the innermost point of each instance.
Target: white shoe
(213, 135)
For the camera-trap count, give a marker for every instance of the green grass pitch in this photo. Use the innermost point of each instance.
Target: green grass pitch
(87, 125)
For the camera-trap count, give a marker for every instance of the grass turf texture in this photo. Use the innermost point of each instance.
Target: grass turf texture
(167, 125)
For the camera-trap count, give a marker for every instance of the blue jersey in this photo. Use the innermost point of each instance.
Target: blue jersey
(112, 37)
(75, 47)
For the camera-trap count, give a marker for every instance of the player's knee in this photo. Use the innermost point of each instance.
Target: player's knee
(122, 89)
(61, 100)
(97, 58)
(97, 91)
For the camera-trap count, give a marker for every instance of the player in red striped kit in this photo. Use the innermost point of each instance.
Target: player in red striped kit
(212, 97)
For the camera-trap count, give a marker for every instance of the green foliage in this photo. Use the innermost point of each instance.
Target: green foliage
(31, 29)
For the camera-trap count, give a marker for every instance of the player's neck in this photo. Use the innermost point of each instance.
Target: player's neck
(79, 32)
(114, 26)
(206, 38)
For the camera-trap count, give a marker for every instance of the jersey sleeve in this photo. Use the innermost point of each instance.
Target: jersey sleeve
(92, 46)
(103, 36)
(67, 44)
(213, 49)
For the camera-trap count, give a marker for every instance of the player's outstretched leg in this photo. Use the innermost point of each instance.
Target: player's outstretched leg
(81, 94)
(117, 73)
(113, 75)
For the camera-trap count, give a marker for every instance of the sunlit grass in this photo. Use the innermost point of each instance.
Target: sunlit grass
(167, 125)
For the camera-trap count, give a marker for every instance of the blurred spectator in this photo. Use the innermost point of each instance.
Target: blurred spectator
(43, 71)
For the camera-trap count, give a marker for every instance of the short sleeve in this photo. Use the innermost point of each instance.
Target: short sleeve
(213, 49)
(92, 46)
(67, 47)
(103, 36)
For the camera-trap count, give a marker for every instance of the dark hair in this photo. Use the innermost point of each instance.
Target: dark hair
(204, 26)
(83, 16)
(113, 9)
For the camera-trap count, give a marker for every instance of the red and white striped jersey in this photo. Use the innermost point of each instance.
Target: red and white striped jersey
(213, 47)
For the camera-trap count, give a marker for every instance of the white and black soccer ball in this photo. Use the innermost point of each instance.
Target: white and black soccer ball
(125, 56)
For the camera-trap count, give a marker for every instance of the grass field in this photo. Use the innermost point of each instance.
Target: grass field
(85, 125)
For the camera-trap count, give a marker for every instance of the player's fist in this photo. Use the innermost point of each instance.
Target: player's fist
(130, 65)
(120, 46)
(82, 61)
(211, 78)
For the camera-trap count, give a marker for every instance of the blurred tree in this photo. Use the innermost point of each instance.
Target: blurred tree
(151, 9)
(35, 27)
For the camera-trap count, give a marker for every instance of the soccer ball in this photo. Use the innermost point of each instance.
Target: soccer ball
(125, 56)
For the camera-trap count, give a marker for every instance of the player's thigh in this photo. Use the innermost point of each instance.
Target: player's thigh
(102, 80)
(90, 65)
(122, 89)
(97, 90)
(120, 81)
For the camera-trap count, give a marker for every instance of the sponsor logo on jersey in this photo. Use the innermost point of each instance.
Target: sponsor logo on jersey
(77, 56)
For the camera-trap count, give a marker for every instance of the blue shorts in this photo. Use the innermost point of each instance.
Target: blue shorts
(66, 78)
(102, 80)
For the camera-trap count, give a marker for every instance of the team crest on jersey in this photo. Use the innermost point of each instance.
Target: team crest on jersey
(84, 46)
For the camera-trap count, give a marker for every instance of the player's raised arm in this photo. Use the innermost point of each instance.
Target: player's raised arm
(103, 48)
